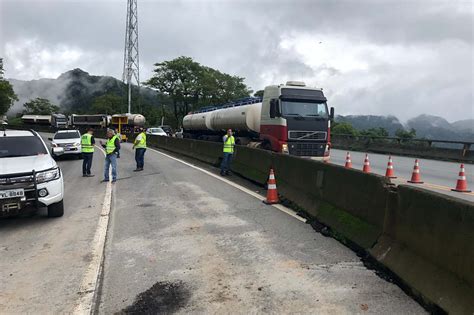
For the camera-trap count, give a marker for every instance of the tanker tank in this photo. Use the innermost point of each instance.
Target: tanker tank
(239, 118)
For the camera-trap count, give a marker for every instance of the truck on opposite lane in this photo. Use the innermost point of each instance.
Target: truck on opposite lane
(291, 118)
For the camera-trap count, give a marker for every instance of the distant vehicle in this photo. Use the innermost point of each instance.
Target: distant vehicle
(167, 129)
(69, 140)
(127, 123)
(291, 118)
(29, 176)
(3, 120)
(59, 121)
(156, 131)
(36, 119)
(97, 121)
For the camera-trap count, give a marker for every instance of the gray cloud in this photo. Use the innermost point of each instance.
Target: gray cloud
(376, 57)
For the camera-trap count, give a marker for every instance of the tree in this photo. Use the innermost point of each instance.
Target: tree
(7, 95)
(40, 106)
(344, 128)
(406, 134)
(108, 104)
(259, 93)
(375, 132)
(190, 86)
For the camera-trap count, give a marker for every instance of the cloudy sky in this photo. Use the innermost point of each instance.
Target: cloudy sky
(400, 57)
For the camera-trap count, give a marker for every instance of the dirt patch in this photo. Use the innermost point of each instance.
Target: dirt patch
(161, 298)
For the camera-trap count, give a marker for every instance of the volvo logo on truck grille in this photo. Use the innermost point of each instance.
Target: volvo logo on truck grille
(306, 135)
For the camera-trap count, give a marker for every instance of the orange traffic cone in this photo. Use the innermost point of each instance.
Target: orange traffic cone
(366, 168)
(461, 185)
(390, 173)
(272, 193)
(415, 176)
(348, 161)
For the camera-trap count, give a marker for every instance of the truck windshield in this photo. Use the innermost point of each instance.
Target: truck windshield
(21, 146)
(304, 109)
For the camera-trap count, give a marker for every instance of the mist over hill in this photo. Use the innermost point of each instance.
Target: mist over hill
(426, 126)
(75, 90)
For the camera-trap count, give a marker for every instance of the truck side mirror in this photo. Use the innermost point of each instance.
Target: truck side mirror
(331, 113)
(273, 108)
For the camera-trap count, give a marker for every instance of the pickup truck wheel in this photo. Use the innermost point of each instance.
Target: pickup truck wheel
(56, 209)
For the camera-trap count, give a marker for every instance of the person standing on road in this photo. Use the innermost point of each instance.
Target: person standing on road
(87, 144)
(229, 143)
(112, 146)
(140, 147)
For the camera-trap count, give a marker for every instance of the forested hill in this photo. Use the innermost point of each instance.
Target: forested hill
(74, 91)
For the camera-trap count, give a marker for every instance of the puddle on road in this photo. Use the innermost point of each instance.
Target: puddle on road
(161, 298)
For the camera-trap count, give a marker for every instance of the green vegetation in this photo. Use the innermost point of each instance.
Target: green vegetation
(259, 93)
(190, 85)
(7, 95)
(40, 106)
(343, 128)
(107, 104)
(374, 132)
(406, 135)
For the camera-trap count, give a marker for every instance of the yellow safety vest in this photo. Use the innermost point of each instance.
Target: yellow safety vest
(86, 143)
(229, 145)
(110, 145)
(142, 143)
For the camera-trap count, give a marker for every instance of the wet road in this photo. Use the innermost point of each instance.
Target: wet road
(180, 240)
(438, 176)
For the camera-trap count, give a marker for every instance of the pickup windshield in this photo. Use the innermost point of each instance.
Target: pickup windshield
(304, 109)
(67, 135)
(21, 146)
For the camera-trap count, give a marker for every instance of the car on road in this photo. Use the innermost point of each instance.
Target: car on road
(167, 129)
(69, 140)
(29, 176)
(156, 131)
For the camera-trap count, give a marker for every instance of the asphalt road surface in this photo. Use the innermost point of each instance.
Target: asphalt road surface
(43, 260)
(438, 176)
(180, 240)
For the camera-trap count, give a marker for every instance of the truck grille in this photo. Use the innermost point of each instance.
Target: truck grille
(307, 149)
(306, 135)
(25, 181)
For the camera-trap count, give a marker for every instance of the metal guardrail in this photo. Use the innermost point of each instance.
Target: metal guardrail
(466, 144)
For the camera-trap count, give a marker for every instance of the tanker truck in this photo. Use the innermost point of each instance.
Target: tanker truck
(291, 118)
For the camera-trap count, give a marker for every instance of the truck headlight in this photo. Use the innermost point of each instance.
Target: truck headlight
(284, 148)
(48, 175)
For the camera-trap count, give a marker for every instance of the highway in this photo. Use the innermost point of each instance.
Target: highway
(179, 239)
(438, 176)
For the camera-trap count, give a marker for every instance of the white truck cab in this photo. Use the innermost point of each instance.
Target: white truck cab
(29, 176)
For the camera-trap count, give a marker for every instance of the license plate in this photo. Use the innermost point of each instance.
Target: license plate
(13, 193)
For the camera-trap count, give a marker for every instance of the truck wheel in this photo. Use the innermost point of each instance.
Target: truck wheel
(56, 209)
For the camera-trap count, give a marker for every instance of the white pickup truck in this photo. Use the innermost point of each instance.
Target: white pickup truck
(29, 176)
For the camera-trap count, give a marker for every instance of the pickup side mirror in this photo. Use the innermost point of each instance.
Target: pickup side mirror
(58, 150)
(273, 108)
(50, 139)
(331, 113)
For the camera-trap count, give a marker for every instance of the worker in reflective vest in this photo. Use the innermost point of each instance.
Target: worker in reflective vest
(140, 147)
(229, 143)
(112, 146)
(87, 145)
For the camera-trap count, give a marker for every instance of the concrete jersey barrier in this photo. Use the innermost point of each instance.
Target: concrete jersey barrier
(425, 238)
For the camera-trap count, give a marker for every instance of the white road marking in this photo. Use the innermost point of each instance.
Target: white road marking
(91, 276)
(246, 190)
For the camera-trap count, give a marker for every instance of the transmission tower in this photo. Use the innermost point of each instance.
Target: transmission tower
(131, 65)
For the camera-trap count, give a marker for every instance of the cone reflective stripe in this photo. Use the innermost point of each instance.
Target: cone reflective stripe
(348, 161)
(415, 176)
(366, 168)
(272, 193)
(461, 184)
(390, 173)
